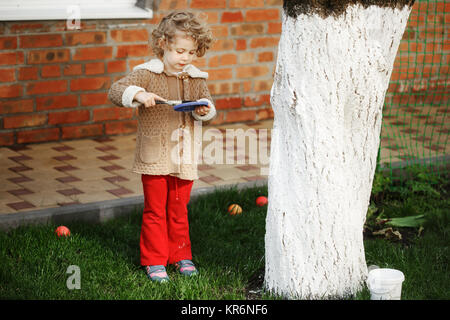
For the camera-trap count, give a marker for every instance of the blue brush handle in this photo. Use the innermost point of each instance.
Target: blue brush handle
(184, 106)
(189, 106)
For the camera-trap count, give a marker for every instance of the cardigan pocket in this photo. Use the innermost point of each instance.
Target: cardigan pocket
(150, 149)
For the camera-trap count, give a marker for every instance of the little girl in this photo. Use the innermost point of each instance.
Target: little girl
(167, 177)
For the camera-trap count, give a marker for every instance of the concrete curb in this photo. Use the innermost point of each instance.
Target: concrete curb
(101, 211)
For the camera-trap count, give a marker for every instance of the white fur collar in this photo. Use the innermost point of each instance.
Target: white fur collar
(157, 66)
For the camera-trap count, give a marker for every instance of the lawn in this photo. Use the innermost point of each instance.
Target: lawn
(228, 250)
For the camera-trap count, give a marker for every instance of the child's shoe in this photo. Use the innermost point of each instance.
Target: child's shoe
(157, 273)
(186, 267)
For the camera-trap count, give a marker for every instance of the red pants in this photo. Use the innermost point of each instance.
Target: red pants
(165, 227)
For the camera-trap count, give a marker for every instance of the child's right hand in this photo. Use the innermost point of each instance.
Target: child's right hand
(148, 99)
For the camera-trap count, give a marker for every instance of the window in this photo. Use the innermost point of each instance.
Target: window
(17, 10)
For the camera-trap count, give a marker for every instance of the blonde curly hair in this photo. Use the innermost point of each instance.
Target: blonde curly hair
(184, 21)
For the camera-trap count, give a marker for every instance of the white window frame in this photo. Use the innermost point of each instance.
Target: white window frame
(18, 10)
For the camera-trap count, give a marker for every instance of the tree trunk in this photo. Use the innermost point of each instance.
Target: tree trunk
(331, 78)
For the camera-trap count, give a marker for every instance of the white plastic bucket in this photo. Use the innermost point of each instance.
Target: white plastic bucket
(385, 284)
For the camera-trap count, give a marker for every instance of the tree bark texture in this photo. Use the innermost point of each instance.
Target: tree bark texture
(330, 82)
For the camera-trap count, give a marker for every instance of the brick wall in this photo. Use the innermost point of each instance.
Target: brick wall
(54, 81)
(420, 72)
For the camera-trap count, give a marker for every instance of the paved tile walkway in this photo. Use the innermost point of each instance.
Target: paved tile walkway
(58, 174)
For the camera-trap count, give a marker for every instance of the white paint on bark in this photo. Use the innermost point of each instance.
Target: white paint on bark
(330, 82)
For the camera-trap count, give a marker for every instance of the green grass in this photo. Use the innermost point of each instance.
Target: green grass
(228, 250)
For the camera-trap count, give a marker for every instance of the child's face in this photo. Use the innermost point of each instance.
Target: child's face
(180, 53)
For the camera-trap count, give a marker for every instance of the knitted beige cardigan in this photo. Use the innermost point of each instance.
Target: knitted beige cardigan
(168, 142)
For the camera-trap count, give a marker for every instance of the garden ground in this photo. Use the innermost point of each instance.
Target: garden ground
(228, 250)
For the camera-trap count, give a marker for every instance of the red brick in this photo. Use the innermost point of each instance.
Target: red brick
(247, 57)
(220, 31)
(274, 27)
(231, 17)
(76, 38)
(240, 116)
(94, 68)
(130, 35)
(94, 53)
(212, 17)
(433, 58)
(6, 138)
(73, 70)
(262, 15)
(28, 73)
(7, 58)
(39, 135)
(247, 86)
(241, 44)
(247, 29)
(246, 4)
(257, 100)
(218, 88)
(68, 117)
(222, 60)
(265, 56)
(29, 120)
(442, 6)
(8, 43)
(405, 60)
(56, 102)
(265, 114)
(48, 56)
(17, 106)
(410, 46)
(252, 72)
(228, 103)
(53, 86)
(172, 4)
(416, 21)
(264, 42)
(223, 45)
(75, 132)
(94, 99)
(118, 127)
(112, 113)
(263, 85)
(41, 41)
(116, 66)
(11, 91)
(220, 74)
(141, 50)
(200, 63)
(89, 84)
(274, 3)
(51, 71)
(228, 59)
(208, 4)
(11, 58)
(7, 75)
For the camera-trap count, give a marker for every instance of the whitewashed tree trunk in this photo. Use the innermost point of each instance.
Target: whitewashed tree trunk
(331, 78)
